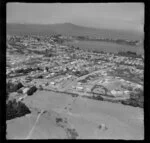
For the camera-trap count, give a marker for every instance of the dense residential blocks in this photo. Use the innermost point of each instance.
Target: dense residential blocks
(44, 61)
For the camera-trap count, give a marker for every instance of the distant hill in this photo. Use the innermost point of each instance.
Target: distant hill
(71, 29)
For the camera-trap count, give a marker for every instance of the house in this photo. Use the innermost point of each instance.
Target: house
(53, 83)
(80, 88)
(25, 90)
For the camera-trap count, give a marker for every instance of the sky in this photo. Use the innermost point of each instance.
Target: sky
(125, 16)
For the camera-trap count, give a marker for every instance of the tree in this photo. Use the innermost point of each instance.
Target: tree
(12, 87)
(31, 90)
(16, 109)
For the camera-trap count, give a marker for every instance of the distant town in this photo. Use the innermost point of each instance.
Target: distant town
(46, 63)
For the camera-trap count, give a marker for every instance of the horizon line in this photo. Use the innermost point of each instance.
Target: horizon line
(108, 28)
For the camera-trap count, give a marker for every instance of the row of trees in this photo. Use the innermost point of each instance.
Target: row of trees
(129, 54)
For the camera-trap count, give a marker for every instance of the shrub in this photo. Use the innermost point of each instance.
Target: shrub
(130, 102)
(136, 100)
(72, 133)
(59, 120)
(16, 109)
(40, 76)
(98, 97)
(31, 90)
(40, 87)
(20, 91)
(13, 87)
